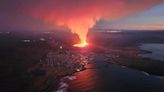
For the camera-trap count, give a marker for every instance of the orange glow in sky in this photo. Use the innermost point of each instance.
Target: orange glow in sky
(81, 15)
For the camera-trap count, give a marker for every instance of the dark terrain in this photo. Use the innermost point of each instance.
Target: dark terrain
(18, 59)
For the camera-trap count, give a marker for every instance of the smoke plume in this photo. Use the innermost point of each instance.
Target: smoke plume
(80, 15)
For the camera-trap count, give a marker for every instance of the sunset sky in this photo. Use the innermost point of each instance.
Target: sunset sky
(53, 14)
(152, 18)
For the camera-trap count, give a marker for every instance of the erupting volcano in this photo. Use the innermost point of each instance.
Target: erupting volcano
(81, 15)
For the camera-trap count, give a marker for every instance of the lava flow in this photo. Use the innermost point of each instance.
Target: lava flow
(81, 45)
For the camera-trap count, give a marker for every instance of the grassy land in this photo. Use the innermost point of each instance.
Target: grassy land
(129, 56)
(154, 67)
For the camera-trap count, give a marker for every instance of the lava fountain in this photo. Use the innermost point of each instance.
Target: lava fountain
(81, 27)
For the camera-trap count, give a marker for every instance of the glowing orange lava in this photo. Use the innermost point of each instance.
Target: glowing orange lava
(81, 45)
(81, 27)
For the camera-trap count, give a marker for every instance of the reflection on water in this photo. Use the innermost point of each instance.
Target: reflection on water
(87, 81)
(156, 49)
(101, 76)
